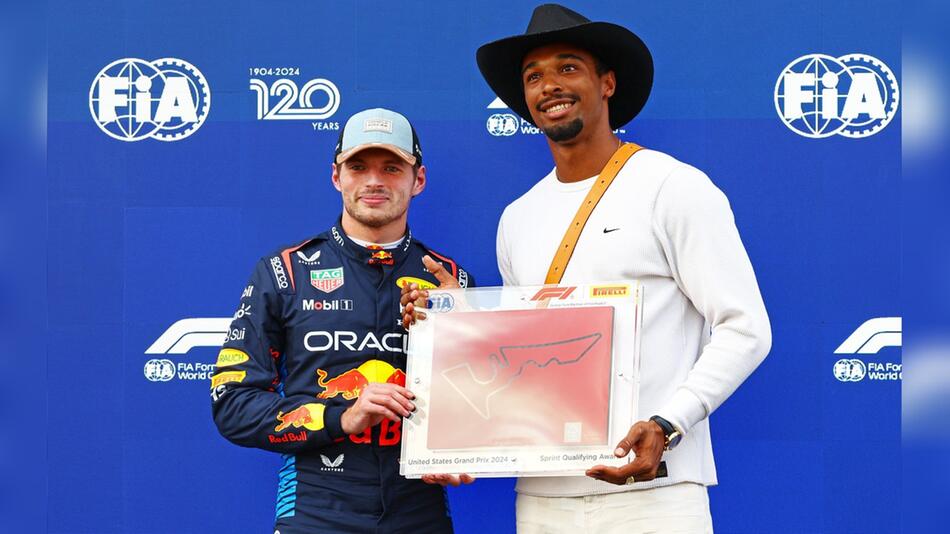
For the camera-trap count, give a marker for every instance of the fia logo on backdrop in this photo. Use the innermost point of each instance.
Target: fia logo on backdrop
(855, 95)
(133, 99)
(505, 124)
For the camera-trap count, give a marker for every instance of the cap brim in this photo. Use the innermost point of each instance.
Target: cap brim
(624, 53)
(405, 156)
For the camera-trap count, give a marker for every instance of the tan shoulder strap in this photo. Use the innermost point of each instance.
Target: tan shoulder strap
(566, 249)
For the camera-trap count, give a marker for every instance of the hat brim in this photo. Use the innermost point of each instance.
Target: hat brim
(405, 156)
(619, 48)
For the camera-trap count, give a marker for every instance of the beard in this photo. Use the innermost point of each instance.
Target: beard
(564, 132)
(373, 217)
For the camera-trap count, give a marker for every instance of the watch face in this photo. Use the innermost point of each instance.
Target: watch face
(675, 439)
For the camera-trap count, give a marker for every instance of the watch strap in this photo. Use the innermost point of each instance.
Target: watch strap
(672, 435)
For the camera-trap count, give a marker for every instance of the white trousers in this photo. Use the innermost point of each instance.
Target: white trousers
(680, 508)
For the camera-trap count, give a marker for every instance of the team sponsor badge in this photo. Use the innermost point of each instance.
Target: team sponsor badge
(327, 280)
(423, 284)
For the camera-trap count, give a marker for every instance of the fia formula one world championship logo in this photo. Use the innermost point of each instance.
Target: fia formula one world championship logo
(819, 96)
(132, 99)
(869, 340)
(504, 123)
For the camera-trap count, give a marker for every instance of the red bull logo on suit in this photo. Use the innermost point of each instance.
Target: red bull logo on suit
(350, 383)
(309, 416)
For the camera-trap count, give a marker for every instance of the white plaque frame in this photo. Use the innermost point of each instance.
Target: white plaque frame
(418, 457)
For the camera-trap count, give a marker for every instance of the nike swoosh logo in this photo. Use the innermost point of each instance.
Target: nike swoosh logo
(606, 231)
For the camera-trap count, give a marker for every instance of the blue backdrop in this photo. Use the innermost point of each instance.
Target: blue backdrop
(146, 233)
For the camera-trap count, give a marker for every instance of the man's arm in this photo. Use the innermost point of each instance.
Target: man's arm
(696, 227)
(248, 403)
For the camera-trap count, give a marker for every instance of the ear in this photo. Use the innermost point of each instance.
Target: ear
(608, 84)
(335, 177)
(420, 182)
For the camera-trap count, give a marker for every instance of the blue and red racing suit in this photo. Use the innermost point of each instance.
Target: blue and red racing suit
(317, 323)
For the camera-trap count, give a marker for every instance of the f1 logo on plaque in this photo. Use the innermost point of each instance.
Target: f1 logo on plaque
(557, 361)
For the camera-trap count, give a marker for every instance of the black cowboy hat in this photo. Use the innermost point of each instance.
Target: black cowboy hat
(619, 48)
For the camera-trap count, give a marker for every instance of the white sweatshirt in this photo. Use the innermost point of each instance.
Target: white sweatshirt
(664, 223)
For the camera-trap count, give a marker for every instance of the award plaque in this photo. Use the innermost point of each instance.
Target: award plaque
(522, 381)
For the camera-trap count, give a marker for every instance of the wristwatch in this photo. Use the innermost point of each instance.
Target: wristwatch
(673, 435)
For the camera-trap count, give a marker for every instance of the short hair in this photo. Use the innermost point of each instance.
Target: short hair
(599, 66)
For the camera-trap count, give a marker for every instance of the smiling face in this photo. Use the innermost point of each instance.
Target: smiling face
(565, 94)
(376, 186)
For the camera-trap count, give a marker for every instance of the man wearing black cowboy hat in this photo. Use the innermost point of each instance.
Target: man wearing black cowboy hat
(651, 218)
(613, 211)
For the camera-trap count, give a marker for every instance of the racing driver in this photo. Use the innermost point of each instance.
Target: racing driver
(314, 363)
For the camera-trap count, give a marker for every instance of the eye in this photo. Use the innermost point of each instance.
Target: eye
(393, 169)
(534, 76)
(569, 68)
(356, 167)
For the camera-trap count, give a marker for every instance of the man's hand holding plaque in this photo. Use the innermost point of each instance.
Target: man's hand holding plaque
(414, 298)
(646, 440)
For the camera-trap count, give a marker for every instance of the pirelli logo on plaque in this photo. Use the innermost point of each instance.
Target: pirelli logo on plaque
(621, 290)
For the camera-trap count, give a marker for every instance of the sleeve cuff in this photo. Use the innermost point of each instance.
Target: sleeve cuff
(332, 419)
(684, 409)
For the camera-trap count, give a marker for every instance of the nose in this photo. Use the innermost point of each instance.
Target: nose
(552, 82)
(374, 177)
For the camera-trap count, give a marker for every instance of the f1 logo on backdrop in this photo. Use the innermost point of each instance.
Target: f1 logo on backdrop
(132, 99)
(819, 96)
(870, 338)
(180, 338)
(187, 334)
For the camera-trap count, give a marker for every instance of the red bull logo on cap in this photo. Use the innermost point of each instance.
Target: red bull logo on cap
(350, 383)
